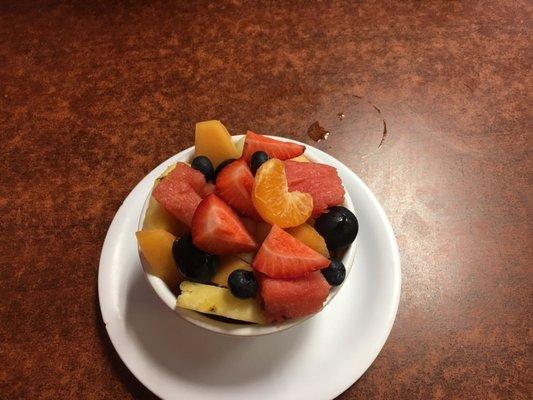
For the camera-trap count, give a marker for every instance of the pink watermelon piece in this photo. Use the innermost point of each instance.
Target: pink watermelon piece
(181, 191)
(321, 181)
(290, 298)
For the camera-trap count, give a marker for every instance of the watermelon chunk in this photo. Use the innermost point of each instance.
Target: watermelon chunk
(274, 148)
(321, 181)
(283, 256)
(181, 191)
(291, 298)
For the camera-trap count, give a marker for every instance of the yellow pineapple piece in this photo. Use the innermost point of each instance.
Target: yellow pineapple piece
(262, 231)
(227, 265)
(157, 217)
(239, 145)
(309, 236)
(300, 159)
(246, 257)
(167, 171)
(156, 247)
(214, 141)
(218, 301)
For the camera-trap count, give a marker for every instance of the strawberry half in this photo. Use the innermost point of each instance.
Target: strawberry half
(274, 148)
(216, 229)
(234, 186)
(283, 256)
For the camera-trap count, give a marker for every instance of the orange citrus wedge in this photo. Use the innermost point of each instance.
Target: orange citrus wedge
(273, 201)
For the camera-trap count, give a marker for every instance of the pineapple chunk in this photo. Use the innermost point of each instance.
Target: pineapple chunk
(227, 265)
(239, 145)
(213, 140)
(246, 257)
(156, 247)
(218, 301)
(157, 217)
(300, 159)
(167, 171)
(310, 237)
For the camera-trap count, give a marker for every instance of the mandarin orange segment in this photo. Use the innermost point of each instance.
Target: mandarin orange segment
(274, 202)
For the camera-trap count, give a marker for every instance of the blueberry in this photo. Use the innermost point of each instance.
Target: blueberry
(335, 273)
(195, 264)
(338, 226)
(204, 165)
(258, 158)
(222, 165)
(242, 284)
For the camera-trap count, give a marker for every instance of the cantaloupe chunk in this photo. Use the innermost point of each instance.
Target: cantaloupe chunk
(156, 247)
(214, 141)
(218, 301)
(227, 265)
(309, 236)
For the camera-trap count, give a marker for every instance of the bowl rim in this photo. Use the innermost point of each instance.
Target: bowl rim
(225, 328)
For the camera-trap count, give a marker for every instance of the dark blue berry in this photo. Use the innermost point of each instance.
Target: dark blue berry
(338, 226)
(204, 165)
(258, 159)
(242, 284)
(195, 264)
(335, 273)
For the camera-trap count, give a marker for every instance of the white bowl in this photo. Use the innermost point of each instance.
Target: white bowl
(227, 328)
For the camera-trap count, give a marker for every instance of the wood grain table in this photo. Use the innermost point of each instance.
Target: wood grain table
(93, 95)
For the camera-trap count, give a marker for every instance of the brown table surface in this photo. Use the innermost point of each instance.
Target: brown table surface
(94, 95)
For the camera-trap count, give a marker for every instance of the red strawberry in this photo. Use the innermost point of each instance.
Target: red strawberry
(234, 185)
(295, 297)
(274, 148)
(181, 191)
(216, 229)
(283, 256)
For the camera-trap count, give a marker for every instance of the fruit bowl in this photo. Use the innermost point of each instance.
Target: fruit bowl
(235, 328)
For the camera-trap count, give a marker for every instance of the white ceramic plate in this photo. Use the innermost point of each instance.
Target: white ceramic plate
(318, 359)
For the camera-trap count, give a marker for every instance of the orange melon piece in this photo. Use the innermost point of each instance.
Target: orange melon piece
(213, 140)
(309, 236)
(156, 247)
